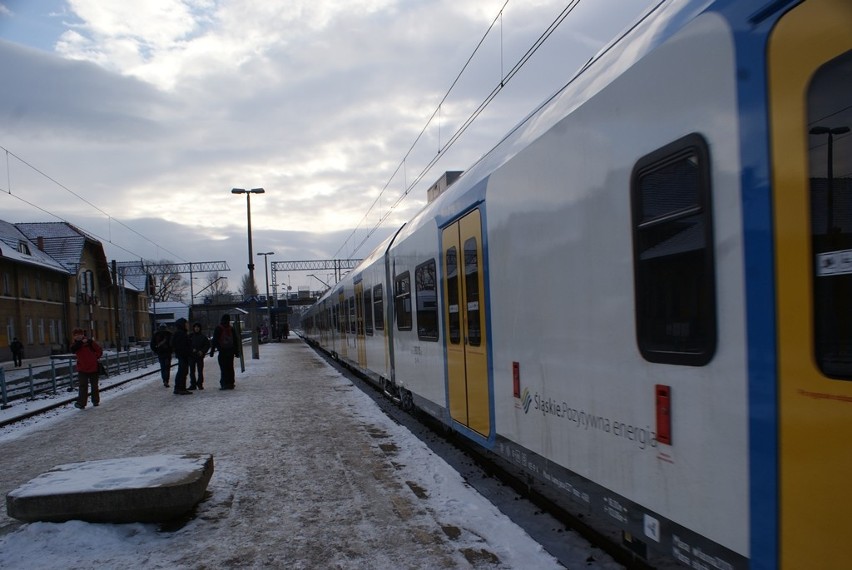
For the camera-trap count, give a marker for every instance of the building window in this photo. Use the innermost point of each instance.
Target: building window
(402, 301)
(30, 338)
(674, 271)
(7, 284)
(41, 331)
(378, 308)
(25, 286)
(426, 291)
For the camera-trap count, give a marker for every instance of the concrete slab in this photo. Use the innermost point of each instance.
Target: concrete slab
(153, 488)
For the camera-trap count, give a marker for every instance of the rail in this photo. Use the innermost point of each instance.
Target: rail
(61, 373)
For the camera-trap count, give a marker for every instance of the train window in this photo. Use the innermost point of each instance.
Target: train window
(368, 312)
(426, 289)
(471, 287)
(402, 301)
(352, 320)
(378, 308)
(454, 317)
(673, 263)
(830, 172)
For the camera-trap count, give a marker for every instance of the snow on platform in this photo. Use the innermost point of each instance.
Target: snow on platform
(134, 489)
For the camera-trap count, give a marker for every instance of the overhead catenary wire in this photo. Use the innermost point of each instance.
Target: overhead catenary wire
(110, 217)
(504, 80)
(435, 113)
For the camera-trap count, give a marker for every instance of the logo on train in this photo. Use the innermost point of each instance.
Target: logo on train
(526, 400)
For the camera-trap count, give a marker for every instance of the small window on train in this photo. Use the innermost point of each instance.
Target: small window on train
(378, 308)
(673, 262)
(830, 173)
(426, 291)
(471, 288)
(453, 315)
(402, 301)
(352, 321)
(368, 312)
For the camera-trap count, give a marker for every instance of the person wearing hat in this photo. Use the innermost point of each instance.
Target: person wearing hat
(161, 345)
(183, 350)
(87, 352)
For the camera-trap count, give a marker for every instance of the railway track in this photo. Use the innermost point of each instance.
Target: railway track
(59, 401)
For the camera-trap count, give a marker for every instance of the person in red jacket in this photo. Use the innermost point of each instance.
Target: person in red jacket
(87, 352)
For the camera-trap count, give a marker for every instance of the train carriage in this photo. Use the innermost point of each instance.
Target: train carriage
(640, 297)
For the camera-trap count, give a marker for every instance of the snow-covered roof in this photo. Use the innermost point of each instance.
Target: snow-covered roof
(65, 243)
(16, 246)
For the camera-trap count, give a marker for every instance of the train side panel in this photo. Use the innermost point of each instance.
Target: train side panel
(570, 382)
(417, 325)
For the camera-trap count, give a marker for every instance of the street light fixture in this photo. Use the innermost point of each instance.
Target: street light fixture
(268, 302)
(830, 131)
(255, 353)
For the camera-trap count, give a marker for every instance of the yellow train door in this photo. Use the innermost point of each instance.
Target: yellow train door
(810, 65)
(466, 341)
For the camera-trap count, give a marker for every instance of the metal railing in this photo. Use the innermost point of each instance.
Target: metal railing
(61, 373)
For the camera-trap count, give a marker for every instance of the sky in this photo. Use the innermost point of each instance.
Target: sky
(134, 120)
(291, 487)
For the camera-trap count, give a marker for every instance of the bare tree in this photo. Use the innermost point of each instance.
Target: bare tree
(217, 288)
(247, 288)
(169, 285)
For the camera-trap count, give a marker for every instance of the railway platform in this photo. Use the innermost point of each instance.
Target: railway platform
(309, 473)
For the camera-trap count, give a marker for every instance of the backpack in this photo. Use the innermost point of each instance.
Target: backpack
(226, 339)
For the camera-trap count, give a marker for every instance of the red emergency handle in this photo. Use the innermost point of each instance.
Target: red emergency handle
(664, 413)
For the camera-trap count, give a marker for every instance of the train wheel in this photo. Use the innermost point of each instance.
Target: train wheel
(406, 400)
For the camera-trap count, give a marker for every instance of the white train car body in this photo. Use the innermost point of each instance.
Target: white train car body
(621, 298)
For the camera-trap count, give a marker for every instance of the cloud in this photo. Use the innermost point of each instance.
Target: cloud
(153, 111)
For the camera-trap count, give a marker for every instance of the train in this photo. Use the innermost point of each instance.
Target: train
(640, 297)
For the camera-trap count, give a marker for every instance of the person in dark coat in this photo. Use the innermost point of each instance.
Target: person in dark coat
(87, 352)
(17, 349)
(226, 342)
(161, 344)
(183, 350)
(200, 345)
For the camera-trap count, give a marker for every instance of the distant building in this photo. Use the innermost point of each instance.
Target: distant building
(133, 300)
(55, 277)
(88, 303)
(33, 294)
(167, 312)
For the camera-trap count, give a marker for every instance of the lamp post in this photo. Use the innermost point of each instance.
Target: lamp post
(830, 131)
(255, 354)
(268, 302)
